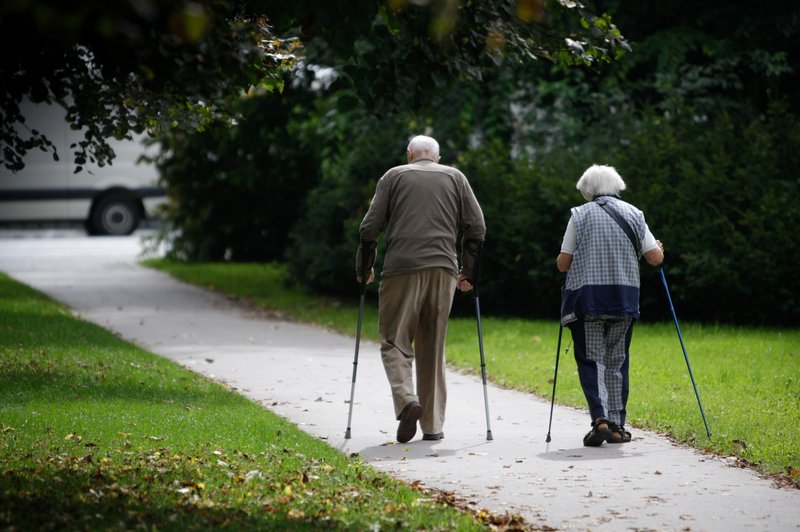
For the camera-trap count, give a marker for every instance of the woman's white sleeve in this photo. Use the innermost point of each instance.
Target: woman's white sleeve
(570, 241)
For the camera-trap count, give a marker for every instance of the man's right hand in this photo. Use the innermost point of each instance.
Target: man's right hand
(655, 256)
(370, 277)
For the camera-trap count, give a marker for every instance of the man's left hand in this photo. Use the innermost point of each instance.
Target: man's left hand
(463, 284)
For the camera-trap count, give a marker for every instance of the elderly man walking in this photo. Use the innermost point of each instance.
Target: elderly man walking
(601, 248)
(421, 206)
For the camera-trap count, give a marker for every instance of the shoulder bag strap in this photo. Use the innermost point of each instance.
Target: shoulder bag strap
(624, 225)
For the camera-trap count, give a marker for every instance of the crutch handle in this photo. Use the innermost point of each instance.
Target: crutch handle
(475, 248)
(367, 253)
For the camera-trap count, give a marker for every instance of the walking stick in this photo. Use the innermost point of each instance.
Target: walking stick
(685, 356)
(555, 378)
(364, 261)
(476, 274)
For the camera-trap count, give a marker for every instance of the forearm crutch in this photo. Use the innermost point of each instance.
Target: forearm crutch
(555, 379)
(685, 356)
(475, 247)
(365, 258)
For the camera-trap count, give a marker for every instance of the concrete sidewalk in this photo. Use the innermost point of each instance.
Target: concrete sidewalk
(303, 373)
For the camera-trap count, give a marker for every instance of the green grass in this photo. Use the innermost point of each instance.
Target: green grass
(97, 434)
(748, 378)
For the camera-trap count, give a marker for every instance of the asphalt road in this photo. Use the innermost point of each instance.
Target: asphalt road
(303, 373)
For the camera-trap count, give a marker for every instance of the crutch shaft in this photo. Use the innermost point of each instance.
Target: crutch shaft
(555, 379)
(683, 347)
(363, 278)
(355, 365)
(483, 369)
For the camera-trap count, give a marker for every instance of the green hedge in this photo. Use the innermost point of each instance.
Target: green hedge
(720, 195)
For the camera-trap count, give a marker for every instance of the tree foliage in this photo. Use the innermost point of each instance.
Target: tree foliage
(396, 53)
(122, 67)
(176, 65)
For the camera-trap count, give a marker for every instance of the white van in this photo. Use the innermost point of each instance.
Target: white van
(111, 200)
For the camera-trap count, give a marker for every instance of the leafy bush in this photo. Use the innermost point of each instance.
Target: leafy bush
(718, 193)
(237, 191)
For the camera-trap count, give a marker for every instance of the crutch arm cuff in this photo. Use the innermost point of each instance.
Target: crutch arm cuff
(365, 257)
(471, 250)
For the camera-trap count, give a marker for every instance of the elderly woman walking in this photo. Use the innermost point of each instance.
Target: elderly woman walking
(600, 252)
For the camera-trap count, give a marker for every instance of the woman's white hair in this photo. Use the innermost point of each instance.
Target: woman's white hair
(600, 180)
(423, 144)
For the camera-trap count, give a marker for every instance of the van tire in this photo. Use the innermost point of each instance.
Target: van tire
(114, 215)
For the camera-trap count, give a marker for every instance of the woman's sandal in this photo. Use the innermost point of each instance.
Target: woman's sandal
(618, 434)
(600, 432)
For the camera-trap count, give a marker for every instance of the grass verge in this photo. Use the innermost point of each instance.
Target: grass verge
(748, 378)
(97, 434)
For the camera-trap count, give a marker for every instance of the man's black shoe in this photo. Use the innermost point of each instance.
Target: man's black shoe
(408, 421)
(433, 437)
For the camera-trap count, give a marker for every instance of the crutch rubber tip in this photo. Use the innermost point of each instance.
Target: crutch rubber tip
(548, 439)
(347, 434)
(489, 435)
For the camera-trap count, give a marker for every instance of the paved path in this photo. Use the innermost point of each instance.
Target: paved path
(303, 373)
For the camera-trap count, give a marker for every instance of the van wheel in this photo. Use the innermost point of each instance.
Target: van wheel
(115, 215)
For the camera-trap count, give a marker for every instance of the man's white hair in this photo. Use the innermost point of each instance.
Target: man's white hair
(423, 144)
(600, 180)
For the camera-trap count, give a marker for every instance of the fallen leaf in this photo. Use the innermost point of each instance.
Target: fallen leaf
(254, 474)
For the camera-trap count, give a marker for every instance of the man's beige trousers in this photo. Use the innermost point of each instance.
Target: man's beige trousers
(413, 313)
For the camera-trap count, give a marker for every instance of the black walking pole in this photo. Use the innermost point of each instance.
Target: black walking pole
(475, 247)
(365, 257)
(685, 356)
(555, 378)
